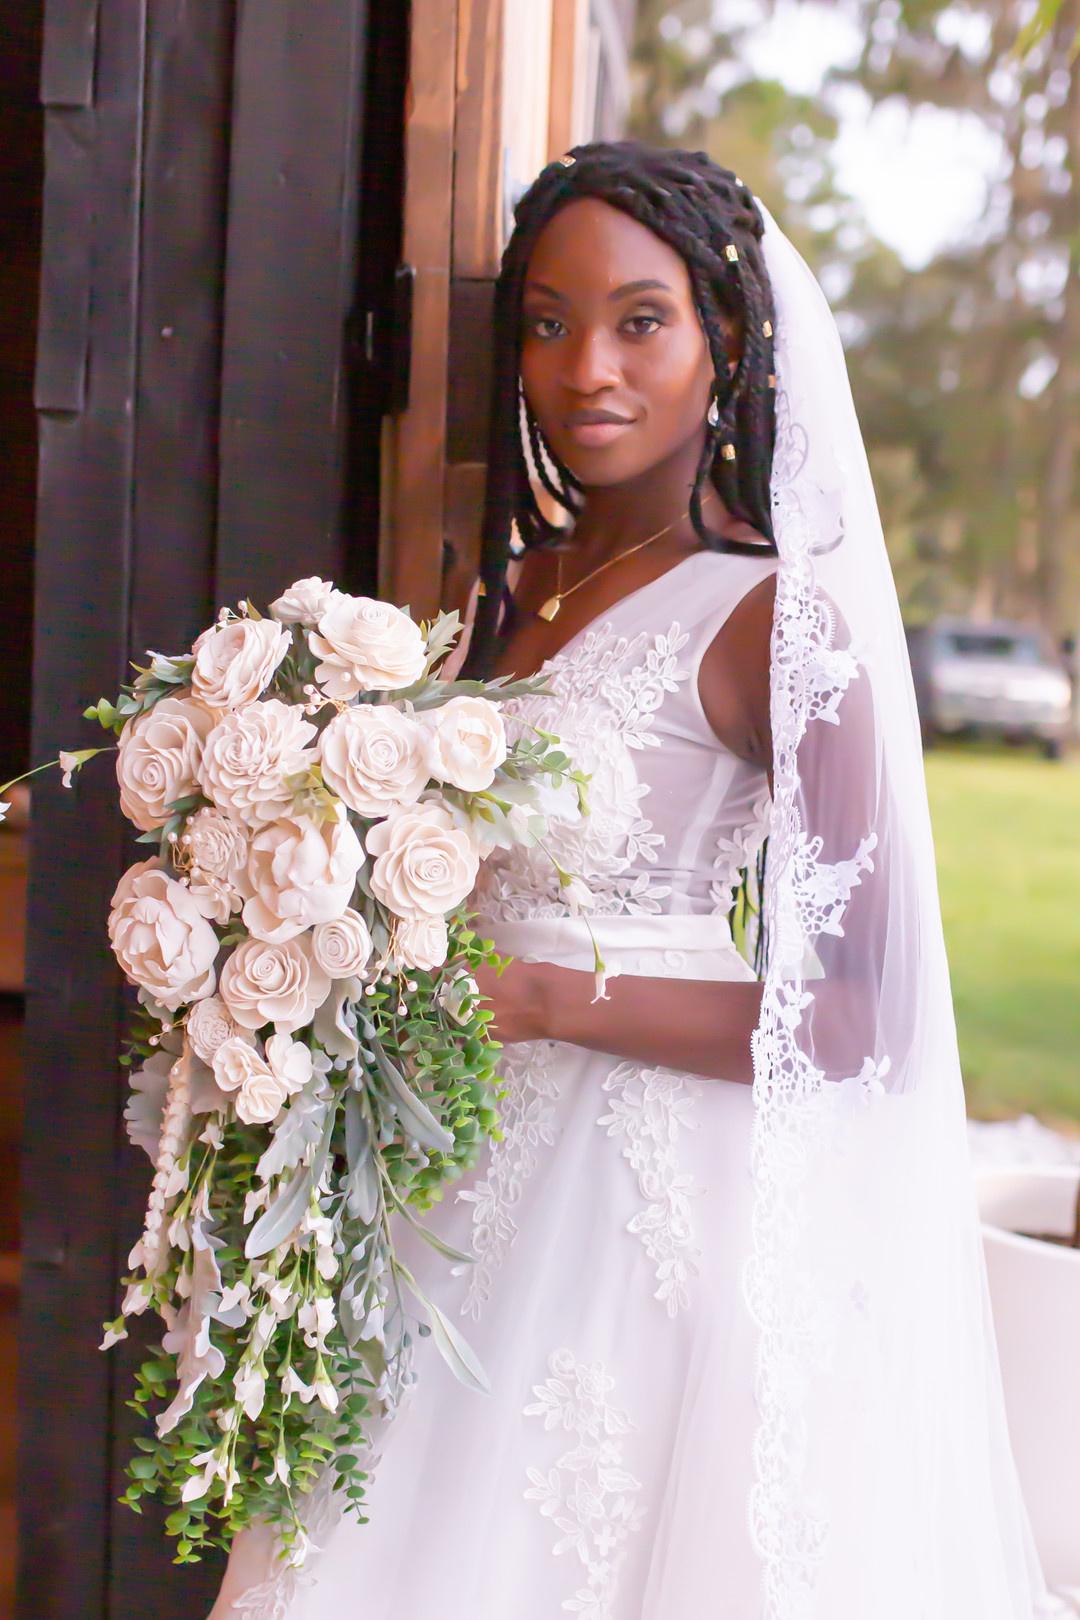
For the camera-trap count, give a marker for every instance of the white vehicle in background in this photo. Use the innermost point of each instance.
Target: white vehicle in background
(1000, 679)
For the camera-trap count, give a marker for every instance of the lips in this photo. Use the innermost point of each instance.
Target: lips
(594, 428)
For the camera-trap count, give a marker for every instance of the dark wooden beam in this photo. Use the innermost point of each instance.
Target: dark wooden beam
(86, 387)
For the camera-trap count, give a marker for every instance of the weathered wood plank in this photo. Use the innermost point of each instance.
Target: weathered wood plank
(411, 558)
(477, 226)
(71, 1137)
(289, 280)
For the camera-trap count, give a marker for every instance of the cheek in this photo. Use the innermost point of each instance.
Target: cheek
(673, 377)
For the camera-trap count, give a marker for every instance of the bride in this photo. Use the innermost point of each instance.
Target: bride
(727, 1281)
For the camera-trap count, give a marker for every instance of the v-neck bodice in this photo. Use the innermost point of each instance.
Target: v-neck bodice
(673, 814)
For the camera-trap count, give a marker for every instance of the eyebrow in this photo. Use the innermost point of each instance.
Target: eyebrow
(646, 285)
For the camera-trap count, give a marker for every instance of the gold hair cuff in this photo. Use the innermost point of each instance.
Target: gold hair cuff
(731, 252)
(728, 452)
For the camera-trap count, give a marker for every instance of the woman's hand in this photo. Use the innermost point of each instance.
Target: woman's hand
(516, 1000)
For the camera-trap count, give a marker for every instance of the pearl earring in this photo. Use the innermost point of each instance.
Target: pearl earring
(712, 415)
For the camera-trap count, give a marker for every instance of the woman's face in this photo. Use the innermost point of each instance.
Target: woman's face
(614, 361)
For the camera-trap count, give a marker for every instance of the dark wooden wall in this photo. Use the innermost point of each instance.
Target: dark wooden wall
(221, 211)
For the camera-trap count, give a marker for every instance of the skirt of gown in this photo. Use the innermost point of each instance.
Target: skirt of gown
(607, 1473)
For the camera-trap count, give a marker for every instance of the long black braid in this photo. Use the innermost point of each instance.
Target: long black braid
(710, 218)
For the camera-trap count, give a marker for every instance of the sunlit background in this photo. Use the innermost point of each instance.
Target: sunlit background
(926, 168)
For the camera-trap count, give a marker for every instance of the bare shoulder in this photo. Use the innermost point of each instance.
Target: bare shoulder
(733, 680)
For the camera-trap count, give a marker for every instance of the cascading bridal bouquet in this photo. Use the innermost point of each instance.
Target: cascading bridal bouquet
(310, 1060)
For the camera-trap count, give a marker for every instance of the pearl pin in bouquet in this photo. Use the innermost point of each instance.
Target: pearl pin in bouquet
(310, 1062)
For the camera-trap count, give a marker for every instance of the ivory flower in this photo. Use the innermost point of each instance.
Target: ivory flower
(216, 848)
(343, 947)
(424, 864)
(157, 759)
(161, 938)
(239, 1068)
(466, 743)
(300, 873)
(273, 984)
(304, 602)
(234, 662)
(250, 754)
(366, 646)
(209, 1025)
(421, 942)
(374, 757)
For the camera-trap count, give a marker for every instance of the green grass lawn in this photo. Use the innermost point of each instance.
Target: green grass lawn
(1007, 832)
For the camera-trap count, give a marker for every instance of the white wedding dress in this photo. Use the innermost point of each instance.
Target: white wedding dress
(607, 1474)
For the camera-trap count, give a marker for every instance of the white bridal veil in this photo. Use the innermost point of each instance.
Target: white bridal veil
(884, 1486)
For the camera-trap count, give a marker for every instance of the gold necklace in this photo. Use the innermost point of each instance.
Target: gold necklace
(550, 608)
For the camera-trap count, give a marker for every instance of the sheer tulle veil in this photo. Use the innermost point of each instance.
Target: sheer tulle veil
(884, 1483)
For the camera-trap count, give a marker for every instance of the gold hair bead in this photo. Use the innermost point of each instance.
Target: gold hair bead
(481, 589)
(732, 252)
(728, 452)
(567, 159)
(767, 329)
(772, 379)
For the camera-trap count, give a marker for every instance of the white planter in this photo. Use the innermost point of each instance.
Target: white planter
(1035, 1292)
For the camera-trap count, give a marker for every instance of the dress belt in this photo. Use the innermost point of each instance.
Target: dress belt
(666, 946)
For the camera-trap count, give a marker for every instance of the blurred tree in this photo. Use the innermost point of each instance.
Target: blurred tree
(966, 371)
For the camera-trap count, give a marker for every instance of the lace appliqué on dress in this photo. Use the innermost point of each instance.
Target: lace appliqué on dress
(527, 1120)
(648, 1109)
(605, 692)
(272, 1599)
(588, 1493)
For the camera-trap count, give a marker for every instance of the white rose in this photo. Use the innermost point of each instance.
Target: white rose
(157, 759)
(215, 852)
(273, 984)
(366, 646)
(421, 942)
(260, 1093)
(209, 1026)
(249, 755)
(161, 938)
(300, 873)
(290, 1061)
(424, 864)
(374, 757)
(234, 662)
(466, 743)
(343, 947)
(305, 602)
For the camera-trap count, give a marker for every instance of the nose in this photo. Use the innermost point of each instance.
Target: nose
(590, 362)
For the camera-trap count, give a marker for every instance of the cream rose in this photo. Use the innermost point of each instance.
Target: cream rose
(374, 757)
(161, 938)
(259, 1093)
(424, 864)
(366, 646)
(249, 755)
(301, 873)
(305, 602)
(466, 743)
(234, 662)
(343, 947)
(273, 984)
(421, 942)
(214, 852)
(157, 759)
(209, 1025)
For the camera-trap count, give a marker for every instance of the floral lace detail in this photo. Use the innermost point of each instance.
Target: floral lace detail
(588, 1493)
(804, 897)
(605, 692)
(527, 1120)
(736, 853)
(273, 1598)
(648, 1109)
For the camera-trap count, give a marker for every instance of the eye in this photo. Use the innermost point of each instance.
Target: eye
(535, 324)
(643, 325)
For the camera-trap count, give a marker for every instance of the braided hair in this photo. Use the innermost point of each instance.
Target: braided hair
(709, 217)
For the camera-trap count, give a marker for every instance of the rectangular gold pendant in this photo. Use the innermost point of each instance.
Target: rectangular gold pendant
(550, 608)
